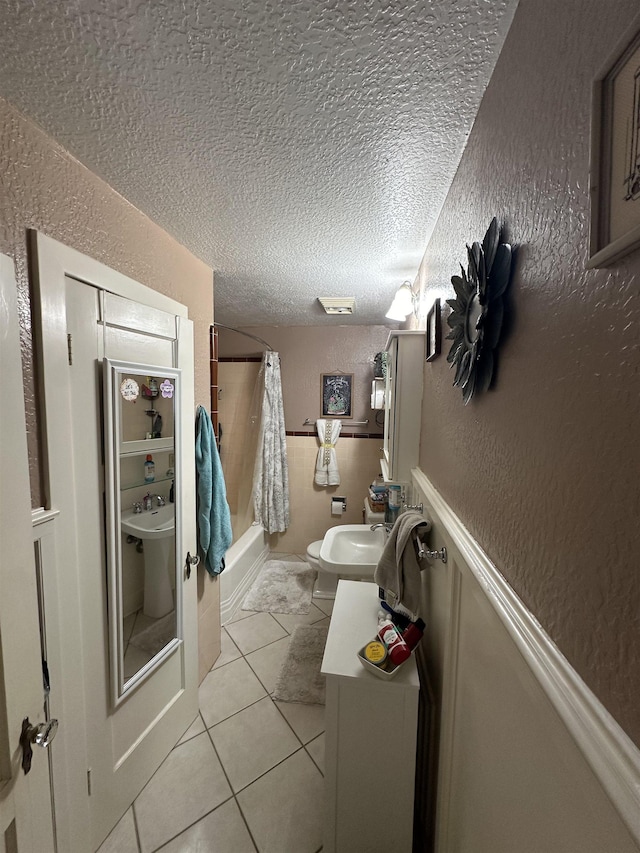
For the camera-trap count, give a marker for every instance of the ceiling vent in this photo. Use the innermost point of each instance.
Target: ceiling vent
(338, 305)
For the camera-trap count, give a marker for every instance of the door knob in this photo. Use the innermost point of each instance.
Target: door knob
(40, 735)
(190, 561)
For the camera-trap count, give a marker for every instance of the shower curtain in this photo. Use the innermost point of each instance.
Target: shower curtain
(271, 475)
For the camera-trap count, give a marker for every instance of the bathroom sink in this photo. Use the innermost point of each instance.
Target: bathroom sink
(351, 549)
(156, 523)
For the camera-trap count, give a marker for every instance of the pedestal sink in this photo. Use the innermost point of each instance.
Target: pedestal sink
(347, 551)
(351, 550)
(156, 528)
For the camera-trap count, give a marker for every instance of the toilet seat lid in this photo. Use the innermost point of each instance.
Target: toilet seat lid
(314, 549)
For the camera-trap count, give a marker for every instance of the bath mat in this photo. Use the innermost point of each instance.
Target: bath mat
(300, 679)
(156, 636)
(282, 588)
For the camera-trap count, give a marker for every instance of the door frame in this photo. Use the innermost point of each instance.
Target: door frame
(25, 800)
(52, 262)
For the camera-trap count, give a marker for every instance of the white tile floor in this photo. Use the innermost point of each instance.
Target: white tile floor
(247, 774)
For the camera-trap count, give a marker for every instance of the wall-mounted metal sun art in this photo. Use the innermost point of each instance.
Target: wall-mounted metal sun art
(477, 311)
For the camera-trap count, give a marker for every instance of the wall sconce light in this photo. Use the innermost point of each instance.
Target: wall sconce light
(405, 302)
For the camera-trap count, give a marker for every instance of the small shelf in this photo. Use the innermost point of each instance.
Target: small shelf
(143, 483)
(145, 445)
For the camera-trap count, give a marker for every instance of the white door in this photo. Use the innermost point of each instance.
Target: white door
(25, 800)
(86, 316)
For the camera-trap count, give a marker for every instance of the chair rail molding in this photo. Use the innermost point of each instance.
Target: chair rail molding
(610, 753)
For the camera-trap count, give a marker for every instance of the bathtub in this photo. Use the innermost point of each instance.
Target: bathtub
(243, 560)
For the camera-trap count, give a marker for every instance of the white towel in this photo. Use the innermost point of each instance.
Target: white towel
(327, 473)
(398, 570)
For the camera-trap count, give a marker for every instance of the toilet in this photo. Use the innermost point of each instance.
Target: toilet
(326, 583)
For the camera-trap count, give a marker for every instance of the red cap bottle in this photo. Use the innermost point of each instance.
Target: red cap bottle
(398, 650)
(412, 634)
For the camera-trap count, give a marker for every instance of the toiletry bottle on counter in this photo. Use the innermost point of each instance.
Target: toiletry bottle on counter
(396, 647)
(394, 502)
(412, 634)
(149, 469)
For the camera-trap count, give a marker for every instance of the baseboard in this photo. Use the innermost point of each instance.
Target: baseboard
(612, 756)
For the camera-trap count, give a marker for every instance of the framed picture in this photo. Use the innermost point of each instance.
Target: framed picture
(434, 331)
(615, 154)
(336, 395)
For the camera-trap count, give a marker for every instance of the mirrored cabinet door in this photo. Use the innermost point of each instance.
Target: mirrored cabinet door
(142, 486)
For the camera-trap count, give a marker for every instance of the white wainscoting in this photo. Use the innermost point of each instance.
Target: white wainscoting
(529, 760)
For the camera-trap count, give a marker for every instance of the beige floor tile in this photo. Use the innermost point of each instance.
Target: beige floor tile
(316, 751)
(227, 690)
(284, 808)
(196, 728)
(252, 742)
(187, 786)
(267, 662)
(256, 631)
(142, 622)
(228, 650)
(222, 831)
(134, 659)
(127, 627)
(122, 838)
(307, 721)
(325, 604)
(290, 621)
(239, 615)
(287, 558)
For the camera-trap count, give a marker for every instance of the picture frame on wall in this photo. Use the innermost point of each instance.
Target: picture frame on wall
(336, 395)
(434, 331)
(615, 154)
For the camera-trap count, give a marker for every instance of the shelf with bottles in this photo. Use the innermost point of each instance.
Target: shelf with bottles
(124, 487)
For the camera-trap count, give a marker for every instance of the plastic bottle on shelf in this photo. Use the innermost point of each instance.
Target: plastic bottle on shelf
(149, 469)
(397, 649)
(412, 634)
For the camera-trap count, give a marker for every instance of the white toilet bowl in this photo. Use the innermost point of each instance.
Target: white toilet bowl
(326, 584)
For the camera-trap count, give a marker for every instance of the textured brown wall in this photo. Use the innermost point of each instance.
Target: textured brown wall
(544, 469)
(308, 351)
(43, 187)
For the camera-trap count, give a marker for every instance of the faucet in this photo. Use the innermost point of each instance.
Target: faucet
(388, 527)
(160, 500)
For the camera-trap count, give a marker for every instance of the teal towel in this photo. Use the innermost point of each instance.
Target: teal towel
(214, 518)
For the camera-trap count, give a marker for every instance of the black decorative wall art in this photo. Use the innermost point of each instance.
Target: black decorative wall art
(476, 312)
(336, 395)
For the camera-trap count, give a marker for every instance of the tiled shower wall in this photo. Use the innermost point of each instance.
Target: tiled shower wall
(358, 463)
(236, 384)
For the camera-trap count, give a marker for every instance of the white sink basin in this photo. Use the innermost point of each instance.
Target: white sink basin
(351, 549)
(156, 523)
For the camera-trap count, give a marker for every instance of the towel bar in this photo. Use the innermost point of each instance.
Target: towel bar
(307, 422)
(424, 552)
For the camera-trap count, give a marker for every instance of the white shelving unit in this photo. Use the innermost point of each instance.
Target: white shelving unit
(370, 735)
(403, 404)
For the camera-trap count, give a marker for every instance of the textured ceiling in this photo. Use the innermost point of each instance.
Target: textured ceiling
(301, 148)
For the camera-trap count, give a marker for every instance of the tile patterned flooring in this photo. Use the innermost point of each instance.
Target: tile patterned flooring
(247, 774)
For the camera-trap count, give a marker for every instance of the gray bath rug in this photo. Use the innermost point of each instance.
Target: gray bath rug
(156, 636)
(282, 588)
(300, 679)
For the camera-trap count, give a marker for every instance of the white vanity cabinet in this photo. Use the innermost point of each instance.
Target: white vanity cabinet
(403, 404)
(370, 735)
